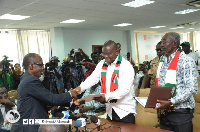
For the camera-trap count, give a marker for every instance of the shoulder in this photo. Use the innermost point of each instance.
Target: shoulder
(156, 59)
(126, 65)
(183, 57)
(186, 61)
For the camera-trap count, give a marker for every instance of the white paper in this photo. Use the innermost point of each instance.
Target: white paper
(142, 100)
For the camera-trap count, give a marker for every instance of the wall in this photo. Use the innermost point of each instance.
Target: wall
(74, 39)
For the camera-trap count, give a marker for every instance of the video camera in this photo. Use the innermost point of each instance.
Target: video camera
(51, 65)
(6, 63)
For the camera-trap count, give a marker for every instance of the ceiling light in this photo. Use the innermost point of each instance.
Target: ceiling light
(187, 11)
(191, 28)
(123, 25)
(179, 27)
(13, 17)
(138, 3)
(158, 27)
(72, 21)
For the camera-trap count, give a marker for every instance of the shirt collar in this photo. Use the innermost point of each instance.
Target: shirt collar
(170, 57)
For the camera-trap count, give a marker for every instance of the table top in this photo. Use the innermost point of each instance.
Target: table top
(113, 126)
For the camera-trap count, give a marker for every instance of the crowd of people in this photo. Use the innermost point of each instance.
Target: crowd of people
(109, 75)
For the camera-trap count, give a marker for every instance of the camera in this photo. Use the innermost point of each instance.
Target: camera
(51, 65)
(6, 63)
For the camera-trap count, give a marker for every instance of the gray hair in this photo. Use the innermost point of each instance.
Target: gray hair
(176, 37)
(28, 59)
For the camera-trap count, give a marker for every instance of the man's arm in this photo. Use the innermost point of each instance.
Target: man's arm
(36, 90)
(189, 87)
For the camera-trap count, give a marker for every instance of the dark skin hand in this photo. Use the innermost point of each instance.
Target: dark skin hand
(6, 101)
(101, 98)
(163, 104)
(83, 109)
(73, 94)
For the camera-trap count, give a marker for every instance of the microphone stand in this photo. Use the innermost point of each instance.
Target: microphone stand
(70, 129)
(77, 129)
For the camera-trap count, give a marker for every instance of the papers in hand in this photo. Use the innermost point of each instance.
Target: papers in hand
(89, 98)
(142, 100)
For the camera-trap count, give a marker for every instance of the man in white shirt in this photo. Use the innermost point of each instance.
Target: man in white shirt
(116, 75)
(186, 49)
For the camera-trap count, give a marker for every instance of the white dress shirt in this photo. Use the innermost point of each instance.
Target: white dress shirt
(125, 93)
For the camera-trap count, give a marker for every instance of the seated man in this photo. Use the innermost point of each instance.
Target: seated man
(6, 104)
(89, 108)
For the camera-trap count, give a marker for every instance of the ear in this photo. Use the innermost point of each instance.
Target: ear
(31, 66)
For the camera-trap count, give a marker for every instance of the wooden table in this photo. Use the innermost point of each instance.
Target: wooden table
(112, 126)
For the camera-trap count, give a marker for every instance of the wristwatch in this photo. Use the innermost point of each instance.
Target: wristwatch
(170, 103)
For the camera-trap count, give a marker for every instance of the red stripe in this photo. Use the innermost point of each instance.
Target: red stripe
(157, 82)
(174, 61)
(104, 67)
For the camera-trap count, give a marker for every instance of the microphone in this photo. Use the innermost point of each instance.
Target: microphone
(77, 124)
(96, 121)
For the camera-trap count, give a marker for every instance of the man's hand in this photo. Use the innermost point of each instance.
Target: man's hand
(101, 98)
(83, 109)
(78, 90)
(163, 104)
(76, 102)
(6, 101)
(73, 94)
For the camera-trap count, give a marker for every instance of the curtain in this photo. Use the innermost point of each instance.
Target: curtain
(193, 38)
(16, 44)
(196, 40)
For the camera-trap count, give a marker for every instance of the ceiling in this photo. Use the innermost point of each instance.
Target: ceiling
(98, 14)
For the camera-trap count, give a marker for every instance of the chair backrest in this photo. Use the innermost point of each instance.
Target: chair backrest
(146, 116)
(196, 119)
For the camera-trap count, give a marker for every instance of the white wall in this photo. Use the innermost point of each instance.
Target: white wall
(84, 39)
(147, 44)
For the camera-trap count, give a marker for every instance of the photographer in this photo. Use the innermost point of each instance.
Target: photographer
(6, 73)
(55, 75)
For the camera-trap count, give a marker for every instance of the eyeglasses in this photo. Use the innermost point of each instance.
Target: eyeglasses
(106, 54)
(158, 50)
(41, 65)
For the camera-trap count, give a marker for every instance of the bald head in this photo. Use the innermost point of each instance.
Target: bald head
(110, 43)
(110, 51)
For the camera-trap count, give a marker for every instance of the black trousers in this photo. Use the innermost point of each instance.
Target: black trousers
(130, 118)
(178, 121)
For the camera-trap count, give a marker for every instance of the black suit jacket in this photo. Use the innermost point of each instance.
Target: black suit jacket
(32, 101)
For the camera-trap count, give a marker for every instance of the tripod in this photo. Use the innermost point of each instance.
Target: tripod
(52, 81)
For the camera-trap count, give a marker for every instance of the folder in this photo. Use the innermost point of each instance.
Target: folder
(156, 93)
(89, 98)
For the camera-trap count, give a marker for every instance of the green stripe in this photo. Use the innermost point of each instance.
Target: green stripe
(170, 85)
(103, 73)
(116, 70)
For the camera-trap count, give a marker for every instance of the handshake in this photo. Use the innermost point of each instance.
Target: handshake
(76, 91)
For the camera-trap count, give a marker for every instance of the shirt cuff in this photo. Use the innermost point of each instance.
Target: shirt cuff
(172, 100)
(107, 97)
(72, 99)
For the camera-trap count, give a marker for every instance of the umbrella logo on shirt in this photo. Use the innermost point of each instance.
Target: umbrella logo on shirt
(12, 116)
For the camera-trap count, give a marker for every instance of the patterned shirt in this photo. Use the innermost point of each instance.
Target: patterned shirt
(186, 80)
(93, 102)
